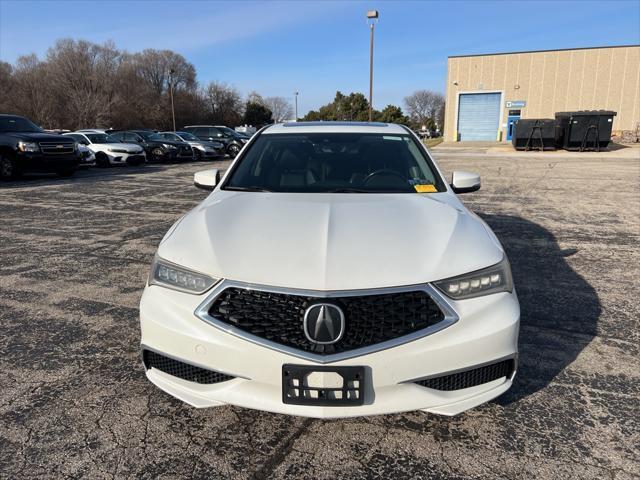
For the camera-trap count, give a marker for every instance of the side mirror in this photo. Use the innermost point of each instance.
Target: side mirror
(465, 182)
(206, 179)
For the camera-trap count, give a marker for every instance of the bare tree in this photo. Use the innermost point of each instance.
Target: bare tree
(423, 106)
(223, 103)
(255, 97)
(6, 86)
(81, 81)
(80, 84)
(153, 67)
(30, 95)
(281, 108)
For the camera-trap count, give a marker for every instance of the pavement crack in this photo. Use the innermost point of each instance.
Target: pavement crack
(270, 466)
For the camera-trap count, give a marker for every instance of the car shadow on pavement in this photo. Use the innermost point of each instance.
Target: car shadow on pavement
(559, 308)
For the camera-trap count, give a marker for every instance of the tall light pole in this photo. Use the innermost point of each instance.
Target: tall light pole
(296, 102)
(173, 112)
(372, 19)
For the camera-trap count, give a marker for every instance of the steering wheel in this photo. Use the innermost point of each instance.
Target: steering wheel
(384, 171)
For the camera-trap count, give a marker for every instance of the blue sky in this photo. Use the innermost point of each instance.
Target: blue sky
(318, 47)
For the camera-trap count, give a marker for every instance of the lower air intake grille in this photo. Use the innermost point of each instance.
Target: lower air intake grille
(182, 370)
(470, 378)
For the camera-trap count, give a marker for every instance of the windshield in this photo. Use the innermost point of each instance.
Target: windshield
(100, 138)
(231, 132)
(149, 135)
(18, 124)
(335, 162)
(188, 137)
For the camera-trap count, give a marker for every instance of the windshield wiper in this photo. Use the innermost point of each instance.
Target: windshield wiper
(247, 189)
(348, 190)
(360, 190)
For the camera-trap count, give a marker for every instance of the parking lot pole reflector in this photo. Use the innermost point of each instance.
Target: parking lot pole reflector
(373, 16)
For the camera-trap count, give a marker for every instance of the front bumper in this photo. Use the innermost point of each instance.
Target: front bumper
(209, 154)
(88, 161)
(487, 331)
(121, 158)
(39, 162)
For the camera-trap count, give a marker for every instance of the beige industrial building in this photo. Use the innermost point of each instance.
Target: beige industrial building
(486, 94)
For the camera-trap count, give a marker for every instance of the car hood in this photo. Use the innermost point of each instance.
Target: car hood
(39, 137)
(170, 142)
(124, 146)
(331, 241)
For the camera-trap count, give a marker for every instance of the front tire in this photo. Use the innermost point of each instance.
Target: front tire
(102, 160)
(8, 168)
(233, 150)
(157, 154)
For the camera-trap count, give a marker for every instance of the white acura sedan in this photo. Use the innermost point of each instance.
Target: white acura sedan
(332, 272)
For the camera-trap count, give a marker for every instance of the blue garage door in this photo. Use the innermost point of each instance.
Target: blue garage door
(478, 116)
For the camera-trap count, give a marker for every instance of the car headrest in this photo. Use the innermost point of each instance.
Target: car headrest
(296, 157)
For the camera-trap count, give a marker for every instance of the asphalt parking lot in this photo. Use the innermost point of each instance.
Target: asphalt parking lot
(74, 401)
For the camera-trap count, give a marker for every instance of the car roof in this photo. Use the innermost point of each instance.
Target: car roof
(215, 126)
(135, 130)
(335, 127)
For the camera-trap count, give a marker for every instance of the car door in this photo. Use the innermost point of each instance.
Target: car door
(201, 132)
(215, 134)
(81, 139)
(131, 137)
(119, 136)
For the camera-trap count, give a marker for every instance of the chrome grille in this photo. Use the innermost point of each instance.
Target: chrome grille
(57, 148)
(369, 319)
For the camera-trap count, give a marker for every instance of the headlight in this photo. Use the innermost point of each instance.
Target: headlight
(170, 275)
(476, 284)
(28, 147)
(169, 146)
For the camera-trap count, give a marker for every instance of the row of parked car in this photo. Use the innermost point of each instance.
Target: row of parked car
(26, 147)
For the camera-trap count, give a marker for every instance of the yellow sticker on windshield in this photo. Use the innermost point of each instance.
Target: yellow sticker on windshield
(425, 188)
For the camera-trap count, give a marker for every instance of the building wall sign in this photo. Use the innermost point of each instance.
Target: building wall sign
(515, 104)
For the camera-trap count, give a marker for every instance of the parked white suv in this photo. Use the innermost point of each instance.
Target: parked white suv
(332, 272)
(107, 150)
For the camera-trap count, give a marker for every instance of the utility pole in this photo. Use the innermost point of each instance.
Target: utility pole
(173, 112)
(372, 19)
(296, 102)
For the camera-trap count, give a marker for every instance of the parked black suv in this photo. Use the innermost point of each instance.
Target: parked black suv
(25, 147)
(233, 141)
(156, 147)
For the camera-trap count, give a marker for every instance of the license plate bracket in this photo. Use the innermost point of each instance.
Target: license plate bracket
(297, 391)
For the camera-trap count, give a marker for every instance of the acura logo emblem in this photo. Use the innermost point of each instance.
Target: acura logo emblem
(324, 323)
